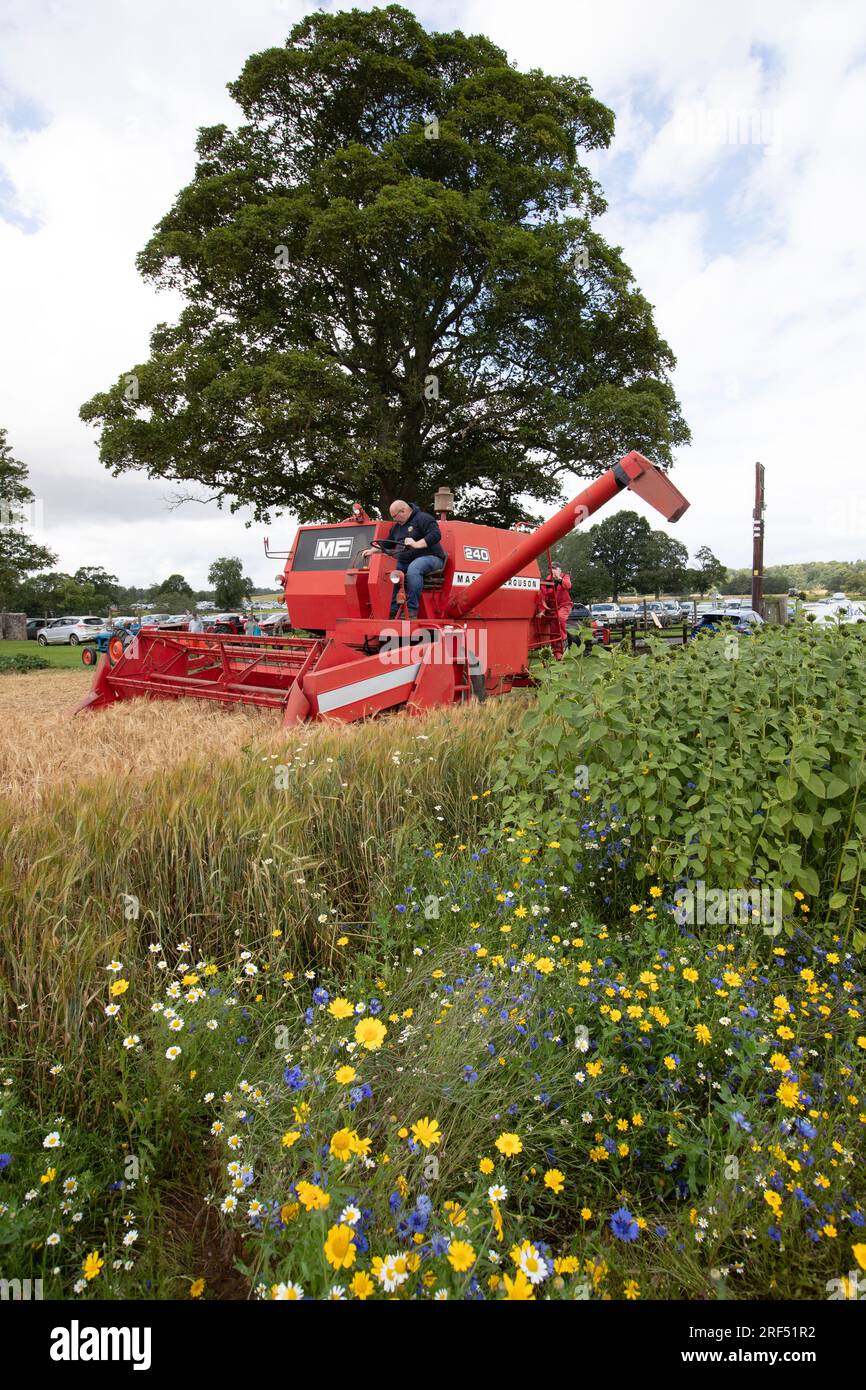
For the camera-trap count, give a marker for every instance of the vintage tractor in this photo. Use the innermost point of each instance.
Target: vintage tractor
(478, 621)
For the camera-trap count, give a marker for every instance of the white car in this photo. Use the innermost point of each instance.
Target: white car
(69, 631)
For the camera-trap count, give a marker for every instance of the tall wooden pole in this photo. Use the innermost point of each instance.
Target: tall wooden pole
(758, 541)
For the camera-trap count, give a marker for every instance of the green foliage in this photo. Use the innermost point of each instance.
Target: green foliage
(371, 311)
(231, 586)
(734, 761)
(22, 661)
(710, 573)
(19, 555)
(590, 583)
(619, 545)
(662, 565)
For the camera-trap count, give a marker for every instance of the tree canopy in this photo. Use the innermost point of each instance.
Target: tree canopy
(19, 553)
(392, 281)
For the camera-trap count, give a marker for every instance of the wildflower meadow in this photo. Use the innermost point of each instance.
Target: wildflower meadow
(308, 1046)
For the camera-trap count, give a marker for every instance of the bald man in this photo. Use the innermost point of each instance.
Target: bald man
(415, 539)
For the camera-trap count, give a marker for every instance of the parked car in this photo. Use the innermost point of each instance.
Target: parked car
(674, 610)
(68, 631)
(275, 624)
(34, 625)
(606, 614)
(742, 620)
(630, 612)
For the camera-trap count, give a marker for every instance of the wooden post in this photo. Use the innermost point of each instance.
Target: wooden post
(758, 541)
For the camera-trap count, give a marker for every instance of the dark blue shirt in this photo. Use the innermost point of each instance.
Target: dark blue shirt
(421, 526)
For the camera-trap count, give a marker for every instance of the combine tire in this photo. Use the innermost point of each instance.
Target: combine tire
(88, 656)
(478, 687)
(115, 650)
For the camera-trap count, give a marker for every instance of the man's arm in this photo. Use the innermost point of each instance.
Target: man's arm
(431, 536)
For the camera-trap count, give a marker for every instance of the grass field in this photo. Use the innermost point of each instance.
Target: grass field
(255, 982)
(64, 658)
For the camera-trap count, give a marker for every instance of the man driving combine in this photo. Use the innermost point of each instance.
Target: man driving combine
(415, 539)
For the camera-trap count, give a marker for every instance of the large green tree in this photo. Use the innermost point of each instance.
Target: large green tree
(392, 282)
(709, 572)
(663, 565)
(231, 586)
(19, 553)
(590, 582)
(619, 545)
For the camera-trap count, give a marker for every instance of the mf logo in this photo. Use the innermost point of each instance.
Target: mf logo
(338, 549)
(476, 552)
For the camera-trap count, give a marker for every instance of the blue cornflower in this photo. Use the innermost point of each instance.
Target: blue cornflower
(320, 996)
(294, 1078)
(624, 1226)
(739, 1119)
(5, 1160)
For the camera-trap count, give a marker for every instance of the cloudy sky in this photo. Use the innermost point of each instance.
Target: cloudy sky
(732, 186)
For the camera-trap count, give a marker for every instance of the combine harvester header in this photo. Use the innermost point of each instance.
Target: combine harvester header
(478, 620)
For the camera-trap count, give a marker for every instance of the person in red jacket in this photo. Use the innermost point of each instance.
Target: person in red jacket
(562, 594)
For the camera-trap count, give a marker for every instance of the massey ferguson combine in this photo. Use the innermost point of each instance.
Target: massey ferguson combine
(478, 621)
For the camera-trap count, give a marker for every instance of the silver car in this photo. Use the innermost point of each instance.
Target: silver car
(69, 631)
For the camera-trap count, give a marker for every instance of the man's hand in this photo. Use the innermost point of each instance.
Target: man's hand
(415, 545)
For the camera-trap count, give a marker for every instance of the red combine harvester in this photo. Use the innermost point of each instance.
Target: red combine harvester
(478, 621)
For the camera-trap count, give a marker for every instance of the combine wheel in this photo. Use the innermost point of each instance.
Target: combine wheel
(88, 656)
(115, 650)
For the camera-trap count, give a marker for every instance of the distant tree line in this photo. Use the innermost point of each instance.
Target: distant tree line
(624, 555)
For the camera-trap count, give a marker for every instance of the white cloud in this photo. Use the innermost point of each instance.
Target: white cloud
(750, 252)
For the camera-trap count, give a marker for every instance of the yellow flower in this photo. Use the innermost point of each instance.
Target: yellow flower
(461, 1256)
(655, 892)
(426, 1132)
(290, 1137)
(362, 1285)
(690, 974)
(340, 1008)
(509, 1145)
(544, 965)
(632, 1287)
(702, 1033)
(555, 1180)
(586, 1213)
(486, 1166)
(370, 1033)
(312, 1196)
(196, 1288)
(344, 1075)
(289, 1212)
(49, 1176)
(118, 987)
(92, 1265)
(518, 1289)
(859, 1253)
(788, 1092)
(342, 1144)
(456, 1213)
(340, 1248)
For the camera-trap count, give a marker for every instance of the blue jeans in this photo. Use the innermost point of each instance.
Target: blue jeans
(415, 571)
